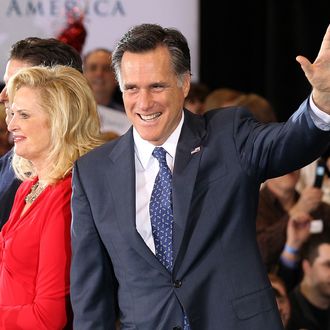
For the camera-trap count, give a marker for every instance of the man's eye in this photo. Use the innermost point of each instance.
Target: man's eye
(158, 87)
(131, 89)
(91, 68)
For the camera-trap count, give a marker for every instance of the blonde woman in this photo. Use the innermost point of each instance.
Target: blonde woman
(53, 122)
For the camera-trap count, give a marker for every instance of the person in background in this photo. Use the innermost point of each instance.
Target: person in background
(195, 99)
(25, 53)
(54, 121)
(5, 144)
(288, 267)
(310, 300)
(98, 71)
(317, 174)
(281, 296)
(279, 202)
(260, 108)
(182, 245)
(221, 98)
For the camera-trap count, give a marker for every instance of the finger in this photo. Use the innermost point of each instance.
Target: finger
(301, 225)
(305, 64)
(301, 218)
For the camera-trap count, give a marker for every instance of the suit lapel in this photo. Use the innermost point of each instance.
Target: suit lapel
(188, 154)
(122, 184)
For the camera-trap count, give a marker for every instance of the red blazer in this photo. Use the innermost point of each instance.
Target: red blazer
(35, 258)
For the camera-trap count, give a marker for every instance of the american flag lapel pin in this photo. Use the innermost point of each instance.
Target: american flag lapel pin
(194, 151)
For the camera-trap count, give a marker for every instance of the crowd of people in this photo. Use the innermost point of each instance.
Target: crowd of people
(169, 207)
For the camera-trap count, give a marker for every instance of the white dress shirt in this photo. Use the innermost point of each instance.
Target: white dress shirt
(320, 118)
(146, 169)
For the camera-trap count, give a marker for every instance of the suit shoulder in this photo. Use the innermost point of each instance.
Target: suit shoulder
(226, 118)
(227, 113)
(99, 152)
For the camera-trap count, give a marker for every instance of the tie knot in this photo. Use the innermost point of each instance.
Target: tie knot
(160, 154)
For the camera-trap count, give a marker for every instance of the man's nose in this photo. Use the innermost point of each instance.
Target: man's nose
(144, 100)
(11, 122)
(8, 113)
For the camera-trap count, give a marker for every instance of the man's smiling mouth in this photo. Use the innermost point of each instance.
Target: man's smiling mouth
(150, 117)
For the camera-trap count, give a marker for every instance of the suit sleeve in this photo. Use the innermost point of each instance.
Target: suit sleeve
(49, 308)
(267, 151)
(92, 280)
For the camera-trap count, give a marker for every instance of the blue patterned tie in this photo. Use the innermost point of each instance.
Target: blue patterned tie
(161, 215)
(161, 212)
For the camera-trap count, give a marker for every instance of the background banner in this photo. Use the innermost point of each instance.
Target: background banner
(105, 21)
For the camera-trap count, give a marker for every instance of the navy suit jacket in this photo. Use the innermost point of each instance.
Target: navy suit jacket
(218, 275)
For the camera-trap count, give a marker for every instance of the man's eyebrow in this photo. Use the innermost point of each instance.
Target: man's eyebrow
(127, 85)
(159, 83)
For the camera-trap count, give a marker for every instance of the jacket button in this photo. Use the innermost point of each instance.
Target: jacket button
(177, 283)
(177, 328)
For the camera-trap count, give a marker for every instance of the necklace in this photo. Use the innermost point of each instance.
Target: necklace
(36, 190)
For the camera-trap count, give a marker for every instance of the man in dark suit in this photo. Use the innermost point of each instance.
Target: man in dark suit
(25, 53)
(181, 243)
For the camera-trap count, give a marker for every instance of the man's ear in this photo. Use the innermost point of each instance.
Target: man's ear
(306, 266)
(186, 84)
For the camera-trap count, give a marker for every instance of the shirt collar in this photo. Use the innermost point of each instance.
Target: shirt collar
(144, 149)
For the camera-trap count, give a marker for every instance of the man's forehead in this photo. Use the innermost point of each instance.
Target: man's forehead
(12, 67)
(324, 252)
(98, 57)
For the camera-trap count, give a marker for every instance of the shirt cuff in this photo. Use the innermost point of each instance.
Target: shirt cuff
(289, 263)
(320, 118)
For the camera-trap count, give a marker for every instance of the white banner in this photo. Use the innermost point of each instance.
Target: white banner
(105, 21)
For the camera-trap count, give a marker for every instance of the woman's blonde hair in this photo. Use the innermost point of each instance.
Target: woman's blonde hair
(74, 123)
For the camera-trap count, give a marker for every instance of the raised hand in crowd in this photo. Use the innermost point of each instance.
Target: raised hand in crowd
(309, 200)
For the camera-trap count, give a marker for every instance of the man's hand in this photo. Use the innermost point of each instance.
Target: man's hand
(318, 74)
(298, 230)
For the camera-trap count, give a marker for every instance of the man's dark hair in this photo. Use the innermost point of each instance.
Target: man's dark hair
(310, 249)
(47, 52)
(146, 37)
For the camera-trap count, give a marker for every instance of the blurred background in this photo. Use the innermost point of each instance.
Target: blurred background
(252, 45)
